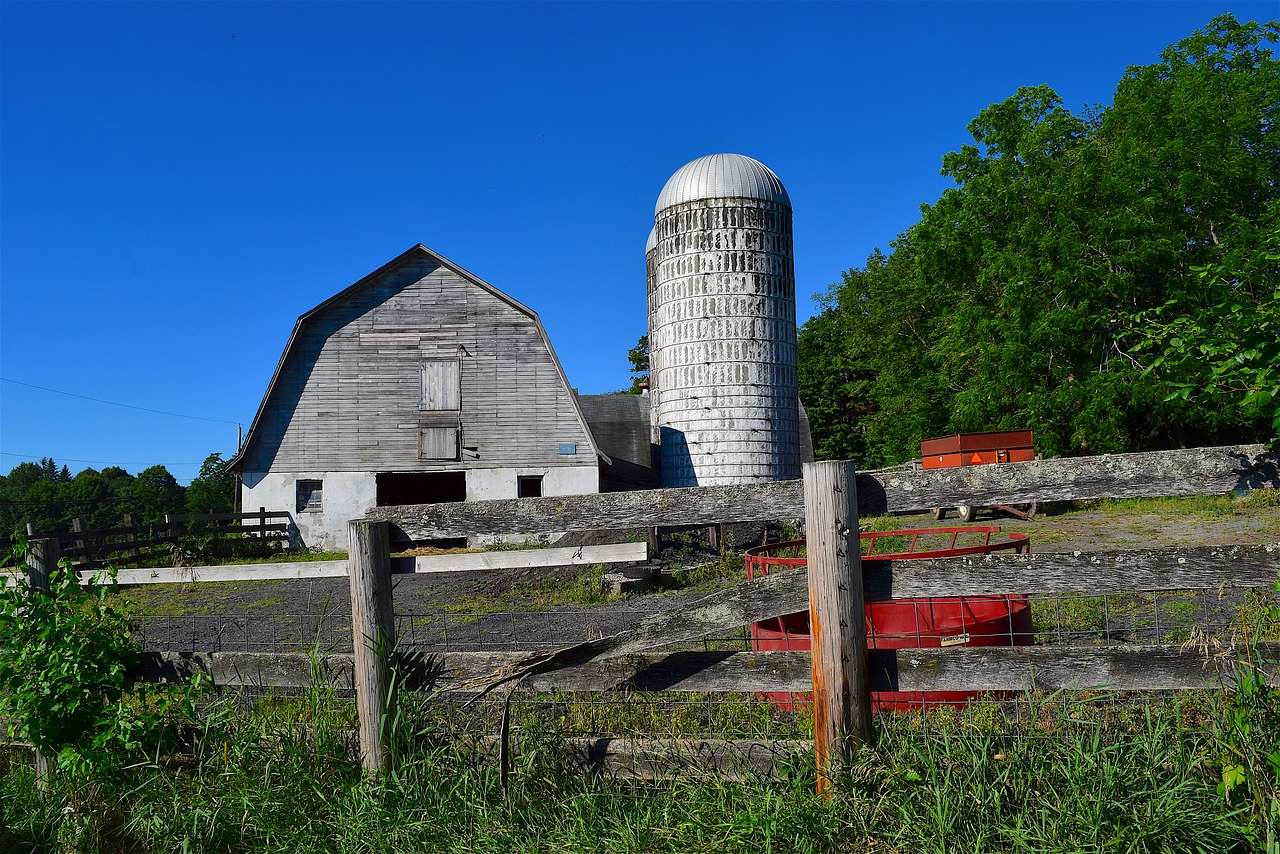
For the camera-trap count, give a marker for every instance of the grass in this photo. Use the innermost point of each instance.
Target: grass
(1212, 505)
(303, 556)
(1164, 617)
(1070, 775)
(174, 600)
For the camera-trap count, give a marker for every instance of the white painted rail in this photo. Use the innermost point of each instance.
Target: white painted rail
(420, 564)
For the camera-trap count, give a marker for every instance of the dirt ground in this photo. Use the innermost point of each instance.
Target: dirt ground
(528, 609)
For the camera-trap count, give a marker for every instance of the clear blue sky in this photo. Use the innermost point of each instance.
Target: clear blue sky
(179, 181)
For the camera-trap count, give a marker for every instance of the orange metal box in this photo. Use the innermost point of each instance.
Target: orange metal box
(972, 449)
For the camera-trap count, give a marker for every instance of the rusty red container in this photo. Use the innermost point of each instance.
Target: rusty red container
(907, 623)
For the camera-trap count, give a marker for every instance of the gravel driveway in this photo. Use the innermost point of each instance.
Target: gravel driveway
(510, 609)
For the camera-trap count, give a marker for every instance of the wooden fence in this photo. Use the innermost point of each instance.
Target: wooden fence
(241, 534)
(840, 671)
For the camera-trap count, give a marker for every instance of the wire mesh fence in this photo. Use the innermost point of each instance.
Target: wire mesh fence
(1168, 617)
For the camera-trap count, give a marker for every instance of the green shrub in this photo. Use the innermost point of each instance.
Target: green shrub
(67, 665)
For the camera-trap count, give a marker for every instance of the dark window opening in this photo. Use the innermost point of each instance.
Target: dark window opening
(421, 488)
(529, 486)
(310, 494)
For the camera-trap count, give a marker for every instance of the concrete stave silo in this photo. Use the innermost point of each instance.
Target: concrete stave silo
(722, 325)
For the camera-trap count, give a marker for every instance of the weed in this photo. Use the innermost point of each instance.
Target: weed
(1266, 497)
(65, 656)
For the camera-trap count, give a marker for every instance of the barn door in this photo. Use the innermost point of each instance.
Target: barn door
(441, 385)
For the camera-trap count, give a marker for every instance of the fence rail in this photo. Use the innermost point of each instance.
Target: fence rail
(1151, 667)
(628, 660)
(254, 533)
(1195, 471)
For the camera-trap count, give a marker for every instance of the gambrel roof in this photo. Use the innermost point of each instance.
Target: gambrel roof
(415, 253)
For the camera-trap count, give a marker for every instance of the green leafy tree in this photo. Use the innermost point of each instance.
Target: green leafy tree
(863, 364)
(100, 498)
(638, 357)
(213, 490)
(1229, 348)
(157, 492)
(1010, 303)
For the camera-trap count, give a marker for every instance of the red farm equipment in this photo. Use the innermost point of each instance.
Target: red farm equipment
(906, 623)
(979, 449)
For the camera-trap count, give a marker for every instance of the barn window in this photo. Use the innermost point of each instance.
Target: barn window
(441, 387)
(310, 493)
(438, 443)
(529, 486)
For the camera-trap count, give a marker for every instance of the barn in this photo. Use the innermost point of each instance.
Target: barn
(420, 383)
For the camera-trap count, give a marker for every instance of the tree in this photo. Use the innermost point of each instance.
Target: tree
(1230, 348)
(638, 357)
(1009, 304)
(157, 492)
(213, 490)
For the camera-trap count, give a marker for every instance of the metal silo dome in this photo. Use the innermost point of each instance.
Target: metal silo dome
(722, 325)
(722, 176)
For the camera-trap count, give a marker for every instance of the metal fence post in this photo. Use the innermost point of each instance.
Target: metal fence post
(373, 635)
(837, 623)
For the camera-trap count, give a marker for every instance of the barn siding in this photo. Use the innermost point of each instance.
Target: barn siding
(347, 397)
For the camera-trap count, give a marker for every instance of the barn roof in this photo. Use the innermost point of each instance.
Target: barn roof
(412, 253)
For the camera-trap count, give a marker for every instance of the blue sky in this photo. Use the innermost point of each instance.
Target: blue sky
(179, 181)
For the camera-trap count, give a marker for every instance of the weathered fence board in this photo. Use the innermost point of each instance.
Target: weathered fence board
(1042, 668)
(631, 758)
(1161, 473)
(241, 572)
(1093, 573)
(532, 558)
(420, 564)
(1192, 471)
(604, 511)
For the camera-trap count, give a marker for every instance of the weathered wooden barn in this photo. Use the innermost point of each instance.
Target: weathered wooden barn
(420, 383)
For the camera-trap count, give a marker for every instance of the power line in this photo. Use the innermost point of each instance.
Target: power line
(115, 403)
(38, 457)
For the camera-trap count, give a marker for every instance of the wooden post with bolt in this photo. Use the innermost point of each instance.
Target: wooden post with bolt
(42, 560)
(373, 636)
(837, 621)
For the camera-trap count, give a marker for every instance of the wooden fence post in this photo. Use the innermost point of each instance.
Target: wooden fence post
(131, 536)
(372, 634)
(837, 622)
(42, 559)
(82, 546)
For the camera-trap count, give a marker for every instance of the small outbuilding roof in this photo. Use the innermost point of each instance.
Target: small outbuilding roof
(722, 176)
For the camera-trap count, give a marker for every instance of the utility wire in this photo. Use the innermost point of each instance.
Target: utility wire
(37, 457)
(114, 403)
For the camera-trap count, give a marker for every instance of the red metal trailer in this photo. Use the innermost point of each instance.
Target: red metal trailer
(979, 449)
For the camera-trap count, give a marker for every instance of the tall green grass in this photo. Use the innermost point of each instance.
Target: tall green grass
(1069, 775)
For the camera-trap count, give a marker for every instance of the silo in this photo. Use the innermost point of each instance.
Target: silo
(650, 280)
(722, 325)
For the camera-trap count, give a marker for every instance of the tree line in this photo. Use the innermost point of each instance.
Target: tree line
(1109, 279)
(48, 496)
